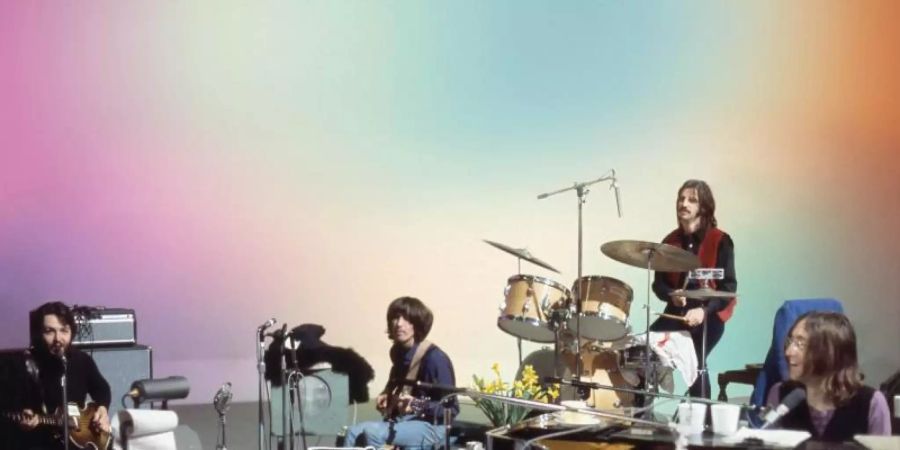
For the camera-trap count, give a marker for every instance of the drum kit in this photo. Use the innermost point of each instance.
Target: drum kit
(588, 324)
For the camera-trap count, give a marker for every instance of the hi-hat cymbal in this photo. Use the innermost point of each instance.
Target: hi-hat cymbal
(661, 257)
(702, 293)
(522, 254)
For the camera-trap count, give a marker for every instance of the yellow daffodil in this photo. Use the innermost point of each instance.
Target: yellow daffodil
(527, 386)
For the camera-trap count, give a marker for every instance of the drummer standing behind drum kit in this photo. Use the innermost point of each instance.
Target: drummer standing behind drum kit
(698, 234)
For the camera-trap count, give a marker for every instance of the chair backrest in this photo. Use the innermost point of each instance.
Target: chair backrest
(775, 368)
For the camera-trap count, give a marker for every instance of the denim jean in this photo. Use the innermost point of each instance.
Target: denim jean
(407, 432)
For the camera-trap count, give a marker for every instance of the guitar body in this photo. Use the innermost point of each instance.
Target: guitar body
(81, 435)
(391, 411)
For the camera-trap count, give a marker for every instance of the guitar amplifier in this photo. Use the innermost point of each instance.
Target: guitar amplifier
(104, 327)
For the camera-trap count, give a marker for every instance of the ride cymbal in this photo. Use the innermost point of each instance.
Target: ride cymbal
(659, 257)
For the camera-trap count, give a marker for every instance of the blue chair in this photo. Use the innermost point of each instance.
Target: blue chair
(775, 368)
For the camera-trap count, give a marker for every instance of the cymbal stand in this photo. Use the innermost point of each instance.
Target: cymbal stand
(649, 386)
(581, 192)
(519, 339)
(704, 276)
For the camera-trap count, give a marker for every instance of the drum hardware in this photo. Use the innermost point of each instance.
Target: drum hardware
(581, 192)
(650, 256)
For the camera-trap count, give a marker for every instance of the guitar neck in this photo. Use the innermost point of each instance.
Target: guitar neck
(52, 421)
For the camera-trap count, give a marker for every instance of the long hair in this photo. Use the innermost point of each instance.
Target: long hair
(36, 322)
(413, 310)
(830, 353)
(707, 211)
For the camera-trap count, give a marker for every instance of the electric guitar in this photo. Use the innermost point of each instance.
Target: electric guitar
(81, 434)
(394, 401)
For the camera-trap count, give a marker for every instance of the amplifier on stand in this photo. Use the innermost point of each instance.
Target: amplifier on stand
(105, 327)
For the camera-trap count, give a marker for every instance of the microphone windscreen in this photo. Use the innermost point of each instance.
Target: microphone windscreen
(794, 398)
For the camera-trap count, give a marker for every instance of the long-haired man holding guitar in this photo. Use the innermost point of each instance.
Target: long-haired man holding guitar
(412, 415)
(52, 327)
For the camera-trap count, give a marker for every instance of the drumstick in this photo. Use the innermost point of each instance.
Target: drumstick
(671, 316)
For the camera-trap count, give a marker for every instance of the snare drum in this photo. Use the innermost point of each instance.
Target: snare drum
(529, 302)
(605, 304)
(633, 358)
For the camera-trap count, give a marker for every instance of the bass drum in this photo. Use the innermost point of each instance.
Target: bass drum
(542, 361)
(601, 365)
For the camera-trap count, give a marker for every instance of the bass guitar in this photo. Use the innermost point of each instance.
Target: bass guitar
(81, 434)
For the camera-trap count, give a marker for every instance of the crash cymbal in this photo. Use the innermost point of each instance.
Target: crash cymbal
(662, 257)
(522, 254)
(702, 293)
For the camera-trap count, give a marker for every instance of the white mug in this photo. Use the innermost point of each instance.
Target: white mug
(725, 418)
(691, 418)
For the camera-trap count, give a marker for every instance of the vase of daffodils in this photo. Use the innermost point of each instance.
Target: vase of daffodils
(526, 387)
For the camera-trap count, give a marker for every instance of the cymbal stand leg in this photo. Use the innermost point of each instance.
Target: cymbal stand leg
(703, 372)
(649, 385)
(519, 342)
(556, 350)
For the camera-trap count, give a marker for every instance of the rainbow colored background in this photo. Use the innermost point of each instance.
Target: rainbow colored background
(214, 165)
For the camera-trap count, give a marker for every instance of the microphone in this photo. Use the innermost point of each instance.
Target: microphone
(543, 196)
(222, 398)
(279, 333)
(615, 186)
(268, 324)
(788, 403)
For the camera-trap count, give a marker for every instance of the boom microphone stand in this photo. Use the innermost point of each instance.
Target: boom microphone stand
(581, 192)
(65, 397)
(261, 369)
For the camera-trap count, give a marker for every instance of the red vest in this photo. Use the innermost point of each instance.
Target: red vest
(709, 255)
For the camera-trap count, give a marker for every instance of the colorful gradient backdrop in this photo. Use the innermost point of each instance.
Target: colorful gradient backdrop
(214, 165)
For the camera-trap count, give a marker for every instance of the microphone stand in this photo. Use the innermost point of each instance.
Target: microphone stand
(581, 192)
(473, 394)
(284, 405)
(298, 374)
(65, 398)
(445, 402)
(261, 370)
(592, 385)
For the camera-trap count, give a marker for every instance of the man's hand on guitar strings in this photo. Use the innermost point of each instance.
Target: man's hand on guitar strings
(381, 402)
(404, 404)
(100, 420)
(29, 420)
